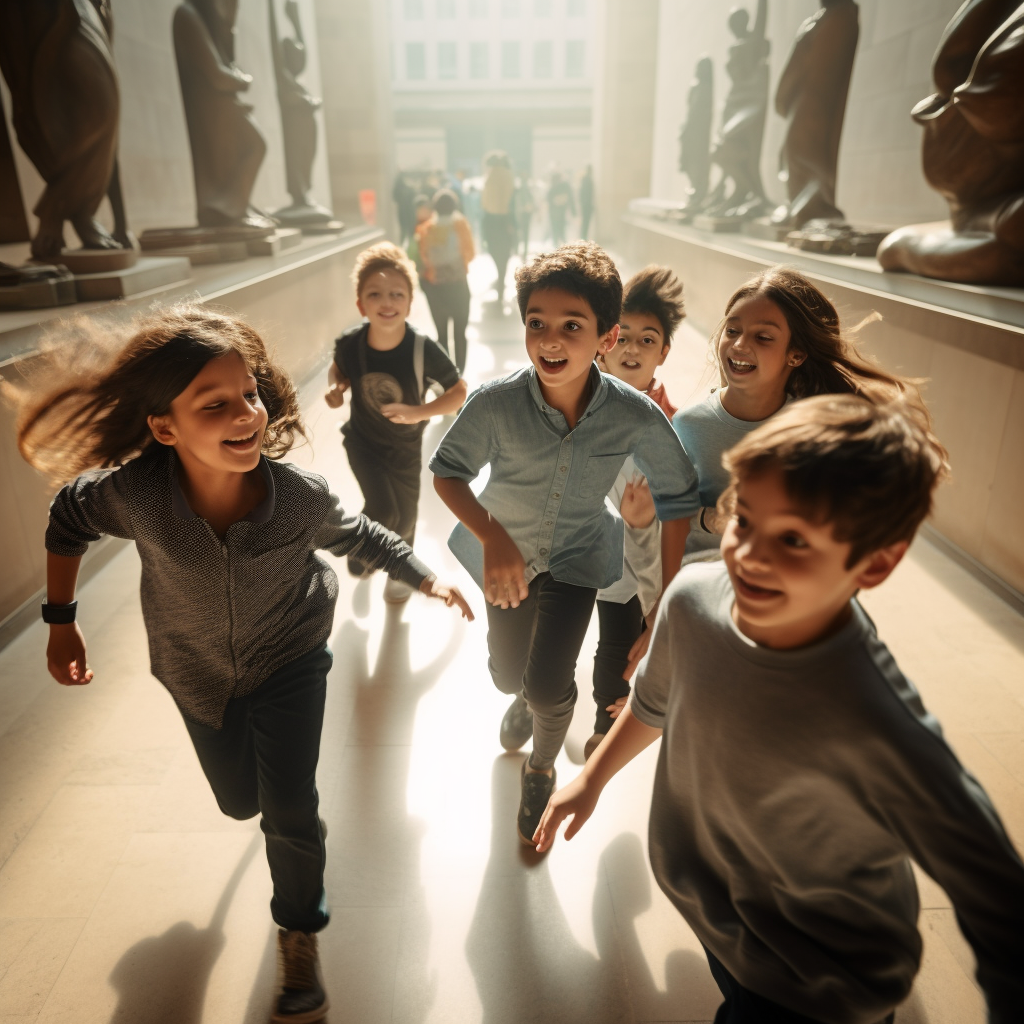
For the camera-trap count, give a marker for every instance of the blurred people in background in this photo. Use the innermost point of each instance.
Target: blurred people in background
(446, 250)
(404, 196)
(499, 229)
(424, 211)
(471, 204)
(524, 206)
(586, 201)
(560, 204)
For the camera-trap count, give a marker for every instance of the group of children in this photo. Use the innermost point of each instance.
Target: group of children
(798, 773)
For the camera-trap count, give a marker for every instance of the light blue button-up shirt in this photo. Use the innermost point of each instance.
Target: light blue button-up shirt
(548, 483)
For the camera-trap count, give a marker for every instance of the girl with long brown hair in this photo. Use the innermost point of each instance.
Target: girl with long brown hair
(177, 430)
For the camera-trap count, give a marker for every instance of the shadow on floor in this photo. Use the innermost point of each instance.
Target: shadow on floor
(163, 978)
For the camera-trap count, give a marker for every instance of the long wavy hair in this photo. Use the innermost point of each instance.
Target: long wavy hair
(86, 401)
(832, 363)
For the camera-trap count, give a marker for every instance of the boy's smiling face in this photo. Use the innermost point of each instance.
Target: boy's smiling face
(385, 299)
(641, 348)
(789, 572)
(562, 340)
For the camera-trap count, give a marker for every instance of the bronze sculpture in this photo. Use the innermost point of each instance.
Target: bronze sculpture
(739, 194)
(695, 135)
(298, 123)
(811, 96)
(227, 145)
(973, 153)
(57, 60)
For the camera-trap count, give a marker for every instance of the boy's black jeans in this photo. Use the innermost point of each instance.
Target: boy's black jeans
(533, 651)
(742, 1006)
(263, 761)
(450, 301)
(621, 626)
(391, 489)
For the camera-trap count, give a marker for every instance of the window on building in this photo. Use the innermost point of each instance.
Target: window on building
(577, 8)
(415, 60)
(479, 60)
(446, 9)
(510, 8)
(447, 60)
(510, 59)
(478, 8)
(543, 8)
(575, 58)
(543, 59)
(413, 9)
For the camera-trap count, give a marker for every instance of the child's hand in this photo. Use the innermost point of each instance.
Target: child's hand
(335, 396)
(451, 596)
(579, 799)
(504, 572)
(637, 505)
(643, 641)
(614, 710)
(399, 412)
(65, 655)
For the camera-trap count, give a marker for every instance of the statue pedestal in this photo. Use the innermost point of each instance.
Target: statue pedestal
(281, 239)
(40, 293)
(148, 273)
(765, 229)
(832, 239)
(327, 227)
(204, 245)
(708, 222)
(97, 261)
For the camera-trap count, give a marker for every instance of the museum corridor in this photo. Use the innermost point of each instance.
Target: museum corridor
(126, 897)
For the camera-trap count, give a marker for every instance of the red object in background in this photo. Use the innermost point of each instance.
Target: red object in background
(368, 205)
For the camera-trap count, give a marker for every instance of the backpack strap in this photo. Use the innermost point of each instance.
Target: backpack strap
(418, 344)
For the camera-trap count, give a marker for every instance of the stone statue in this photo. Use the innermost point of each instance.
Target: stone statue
(57, 60)
(298, 122)
(695, 136)
(811, 96)
(227, 145)
(739, 194)
(973, 152)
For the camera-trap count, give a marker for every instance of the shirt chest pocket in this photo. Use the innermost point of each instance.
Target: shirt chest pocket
(599, 473)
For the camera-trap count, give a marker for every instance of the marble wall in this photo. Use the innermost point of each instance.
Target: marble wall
(156, 166)
(880, 180)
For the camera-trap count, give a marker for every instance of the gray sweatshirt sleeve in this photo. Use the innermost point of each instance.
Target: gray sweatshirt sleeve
(88, 508)
(374, 546)
(951, 829)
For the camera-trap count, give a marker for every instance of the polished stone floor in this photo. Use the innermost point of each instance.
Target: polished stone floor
(126, 897)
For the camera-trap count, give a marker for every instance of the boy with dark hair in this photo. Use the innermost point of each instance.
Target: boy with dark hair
(652, 309)
(388, 366)
(539, 540)
(800, 771)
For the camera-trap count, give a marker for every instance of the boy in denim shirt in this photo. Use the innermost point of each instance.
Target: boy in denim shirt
(539, 540)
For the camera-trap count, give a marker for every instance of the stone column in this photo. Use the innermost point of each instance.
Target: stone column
(355, 72)
(624, 85)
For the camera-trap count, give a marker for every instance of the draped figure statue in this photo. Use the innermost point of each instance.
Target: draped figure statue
(973, 152)
(695, 136)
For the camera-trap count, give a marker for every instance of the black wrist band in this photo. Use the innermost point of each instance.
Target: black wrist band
(702, 526)
(59, 614)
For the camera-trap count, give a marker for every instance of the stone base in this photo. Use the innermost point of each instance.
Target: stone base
(40, 293)
(327, 227)
(763, 228)
(97, 261)
(281, 239)
(706, 222)
(836, 239)
(302, 215)
(149, 272)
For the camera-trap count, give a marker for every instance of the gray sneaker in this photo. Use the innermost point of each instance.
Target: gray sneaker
(302, 999)
(517, 725)
(537, 790)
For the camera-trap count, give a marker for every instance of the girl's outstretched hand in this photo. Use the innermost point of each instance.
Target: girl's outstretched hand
(65, 655)
(578, 799)
(451, 596)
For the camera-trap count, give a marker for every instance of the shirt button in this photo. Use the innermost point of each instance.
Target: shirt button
(561, 469)
(547, 522)
(556, 495)
(543, 551)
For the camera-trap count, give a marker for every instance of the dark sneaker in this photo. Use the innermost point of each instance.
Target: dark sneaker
(517, 725)
(592, 744)
(537, 790)
(302, 999)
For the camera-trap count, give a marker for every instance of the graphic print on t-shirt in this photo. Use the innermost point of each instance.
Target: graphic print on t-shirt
(379, 389)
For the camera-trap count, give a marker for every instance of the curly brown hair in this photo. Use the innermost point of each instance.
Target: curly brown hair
(869, 469)
(657, 292)
(582, 269)
(383, 256)
(94, 386)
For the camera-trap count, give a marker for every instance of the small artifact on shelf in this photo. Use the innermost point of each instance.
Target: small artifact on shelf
(739, 194)
(835, 239)
(58, 63)
(298, 123)
(973, 153)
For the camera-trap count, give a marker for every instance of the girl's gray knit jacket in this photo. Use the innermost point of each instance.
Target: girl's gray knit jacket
(223, 615)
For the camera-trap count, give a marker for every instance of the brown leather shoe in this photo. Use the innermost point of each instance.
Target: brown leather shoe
(302, 999)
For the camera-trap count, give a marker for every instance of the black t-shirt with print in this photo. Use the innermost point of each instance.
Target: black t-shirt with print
(378, 378)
